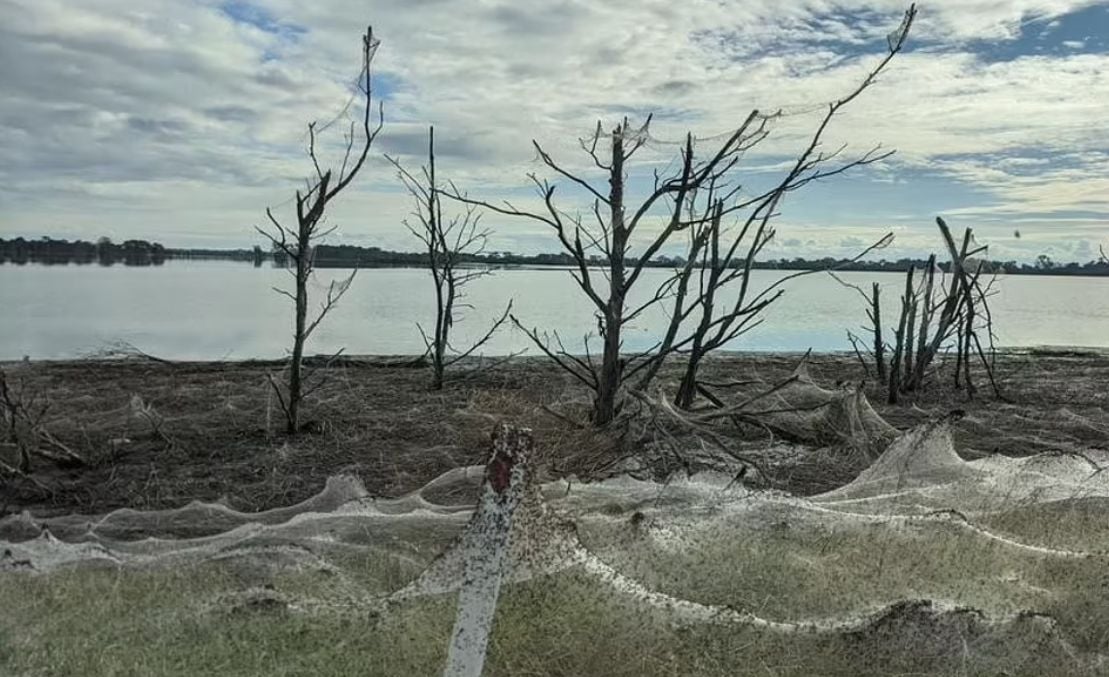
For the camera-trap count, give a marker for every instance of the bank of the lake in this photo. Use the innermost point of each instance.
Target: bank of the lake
(218, 434)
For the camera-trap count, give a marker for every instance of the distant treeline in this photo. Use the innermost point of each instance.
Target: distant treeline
(143, 253)
(348, 256)
(104, 252)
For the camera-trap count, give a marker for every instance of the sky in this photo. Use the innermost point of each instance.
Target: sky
(180, 121)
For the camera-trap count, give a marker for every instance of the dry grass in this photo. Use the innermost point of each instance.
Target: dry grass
(158, 435)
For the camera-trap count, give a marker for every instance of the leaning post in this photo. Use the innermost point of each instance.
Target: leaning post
(485, 550)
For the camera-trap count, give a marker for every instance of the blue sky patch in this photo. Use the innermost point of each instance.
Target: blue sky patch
(385, 85)
(1083, 31)
(245, 12)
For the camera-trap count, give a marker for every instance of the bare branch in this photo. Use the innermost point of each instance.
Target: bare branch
(484, 339)
(335, 291)
(547, 160)
(561, 358)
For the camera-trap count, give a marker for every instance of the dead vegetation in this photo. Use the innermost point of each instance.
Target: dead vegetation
(700, 197)
(945, 310)
(157, 435)
(448, 242)
(23, 410)
(297, 244)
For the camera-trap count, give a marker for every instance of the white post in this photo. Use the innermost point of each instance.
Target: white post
(485, 550)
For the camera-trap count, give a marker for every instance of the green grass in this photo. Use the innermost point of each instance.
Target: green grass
(778, 563)
(179, 622)
(802, 569)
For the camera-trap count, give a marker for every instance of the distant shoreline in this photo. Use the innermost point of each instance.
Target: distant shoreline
(412, 361)
(891, 267)
(141, 253)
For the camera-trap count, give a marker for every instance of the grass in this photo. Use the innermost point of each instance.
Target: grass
(161, 625)
(774, 562)
(784, 566)
(382, 425)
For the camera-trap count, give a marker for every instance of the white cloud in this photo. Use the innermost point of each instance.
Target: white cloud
(172, 120)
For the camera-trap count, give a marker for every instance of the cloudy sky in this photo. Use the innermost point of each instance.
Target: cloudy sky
(181, 120)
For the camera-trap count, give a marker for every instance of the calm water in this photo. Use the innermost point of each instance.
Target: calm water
(226, 310)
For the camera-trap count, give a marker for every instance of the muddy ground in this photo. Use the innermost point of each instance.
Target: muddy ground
(157, 434)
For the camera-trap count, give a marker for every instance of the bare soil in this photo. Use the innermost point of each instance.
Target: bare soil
(213, 430)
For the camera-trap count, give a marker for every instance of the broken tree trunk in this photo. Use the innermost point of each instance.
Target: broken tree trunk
(875, 314)
(895, 386)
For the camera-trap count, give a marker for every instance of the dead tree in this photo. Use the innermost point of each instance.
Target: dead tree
(937, 316)
(717, 329)
(727, 258)
(902, 337)
(22, 413)
(718, 325)
(297, 242)
(616, 226)
(718, 265)
(875, 315)
(450, 243)
(958, 314)
(619, 221)
(877, 348)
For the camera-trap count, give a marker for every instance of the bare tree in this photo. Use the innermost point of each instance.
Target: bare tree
(877, 347)
(616, 222)
(936, 315)
(720, 321)
(963, 311)
(450, 244)
(722, 261)
(726, 264)
(297, 242)
(23, 411)
(695, 199)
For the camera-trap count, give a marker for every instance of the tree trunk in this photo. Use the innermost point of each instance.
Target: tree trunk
(687, 391)
(605, 403)
(609, 384)
(442, 321)
(292, 415)
(440, 269)
(969, 333)
(926, 313)
(702, 343)
(895, 389)
(910, 339)
(879, 343)
(671, 330)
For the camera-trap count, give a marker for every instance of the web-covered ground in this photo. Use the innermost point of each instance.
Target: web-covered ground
(925, 564)
(213, 430)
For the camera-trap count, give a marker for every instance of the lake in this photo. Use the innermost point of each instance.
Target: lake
(227, 310)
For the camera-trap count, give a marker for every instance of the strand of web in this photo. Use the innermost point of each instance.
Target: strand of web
(352, 85)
